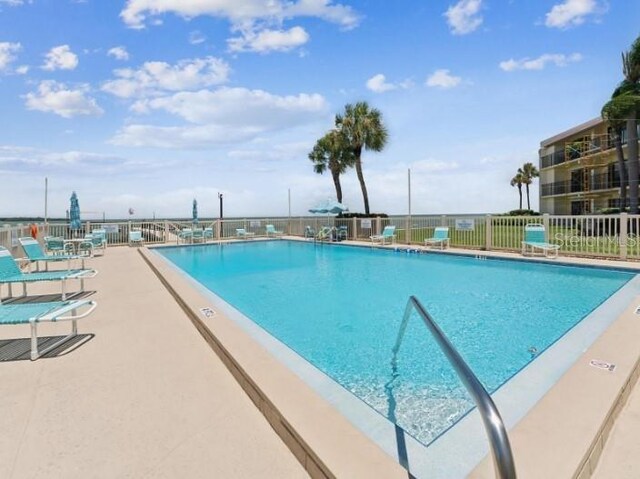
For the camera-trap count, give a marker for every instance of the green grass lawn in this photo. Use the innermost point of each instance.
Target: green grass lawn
(510, 237)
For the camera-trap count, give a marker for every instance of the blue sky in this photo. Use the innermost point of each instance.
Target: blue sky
(146, 104)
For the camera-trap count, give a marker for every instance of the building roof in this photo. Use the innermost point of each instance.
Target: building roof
(572, 131)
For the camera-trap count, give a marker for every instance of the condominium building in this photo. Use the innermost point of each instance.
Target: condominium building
(579, 170)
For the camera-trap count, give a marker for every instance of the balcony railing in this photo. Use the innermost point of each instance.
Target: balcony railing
(581, 148)
(602, 181)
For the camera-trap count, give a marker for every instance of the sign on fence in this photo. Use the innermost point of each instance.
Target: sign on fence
(254, 223)
(366, 224)
(465, 224)
(110, 228)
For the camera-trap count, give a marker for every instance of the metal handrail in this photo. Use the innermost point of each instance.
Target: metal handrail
(494, 426)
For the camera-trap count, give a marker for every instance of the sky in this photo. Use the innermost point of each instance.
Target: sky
(148, 104)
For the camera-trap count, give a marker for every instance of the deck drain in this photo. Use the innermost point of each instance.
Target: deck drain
(207, 312)
(638, 310)
(596, 363)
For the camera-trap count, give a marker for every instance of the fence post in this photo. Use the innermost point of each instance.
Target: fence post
(443, 220)
(488, 232)
(88, 226)
(545, 222)
(378, 226)
(624, 235)
(166, 231)
(355, 228)
(408, 235)
(218, 229)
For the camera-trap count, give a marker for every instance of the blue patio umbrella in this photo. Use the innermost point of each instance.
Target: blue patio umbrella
(194, 212)
(74, 213)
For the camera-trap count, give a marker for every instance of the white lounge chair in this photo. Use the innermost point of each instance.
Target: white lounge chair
(271, 231)
(243, 233)
(535, 239)
(388, 233)
(440, 238)
(135, 238)
(34, 313)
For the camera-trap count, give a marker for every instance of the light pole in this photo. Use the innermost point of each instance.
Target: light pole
(220, 198)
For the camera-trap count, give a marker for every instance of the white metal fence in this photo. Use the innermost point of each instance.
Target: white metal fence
(611, 236)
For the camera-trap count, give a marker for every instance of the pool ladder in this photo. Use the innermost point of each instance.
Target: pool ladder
(494, 426)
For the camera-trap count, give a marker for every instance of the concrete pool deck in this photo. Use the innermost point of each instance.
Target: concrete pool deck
(142, 396)
(146, 397)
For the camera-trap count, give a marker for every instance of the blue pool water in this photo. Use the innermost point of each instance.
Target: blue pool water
(340, 308)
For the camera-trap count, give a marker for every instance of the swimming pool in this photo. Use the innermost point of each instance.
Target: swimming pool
(340, 308)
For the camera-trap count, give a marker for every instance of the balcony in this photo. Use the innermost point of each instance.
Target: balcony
(599, 182)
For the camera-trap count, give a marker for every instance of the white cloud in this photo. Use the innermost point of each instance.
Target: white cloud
(154, 77)
(183, 137)
(268, 40)
(60, 58)
(464, 17)
(136, 12)
(378, 83)
(119, 53)
(13, 3)
(240, 107)
(54, 97)
(539, 63)
(7, 54)
(22, 69)
(443, 79)
(223, 116)
(572, 12)
(196, 37)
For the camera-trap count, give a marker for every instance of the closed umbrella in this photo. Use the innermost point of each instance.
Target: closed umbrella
(74, 213)
(194, 212)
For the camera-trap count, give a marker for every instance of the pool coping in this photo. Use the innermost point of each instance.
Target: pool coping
(608, 394)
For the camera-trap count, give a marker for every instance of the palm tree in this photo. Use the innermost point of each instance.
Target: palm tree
(518, 181)
(363, 128)
(631, 86)
(332, 152)
(613, 113)
(529, 172)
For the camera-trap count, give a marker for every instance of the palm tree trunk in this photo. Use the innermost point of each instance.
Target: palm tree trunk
(617, 141)
(363, 187)
(528, 204)
(338, 186)
(632, 151)
(520, 193)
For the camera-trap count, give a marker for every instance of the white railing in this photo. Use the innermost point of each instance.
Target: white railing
(609, 236)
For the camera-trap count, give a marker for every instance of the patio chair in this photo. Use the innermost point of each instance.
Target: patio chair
(343, 233)
(135, 238)
(271, 231)
(243, 233)
(102, 235)
(10, 273)
(208, 234)
(197, 235)
(534, 239)
(440, 238)
(185, 235)
(388, 233)
(91, 245)
(326, 233)
(54, 245)
(35, 254)
(309, 232)
(34, 313)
